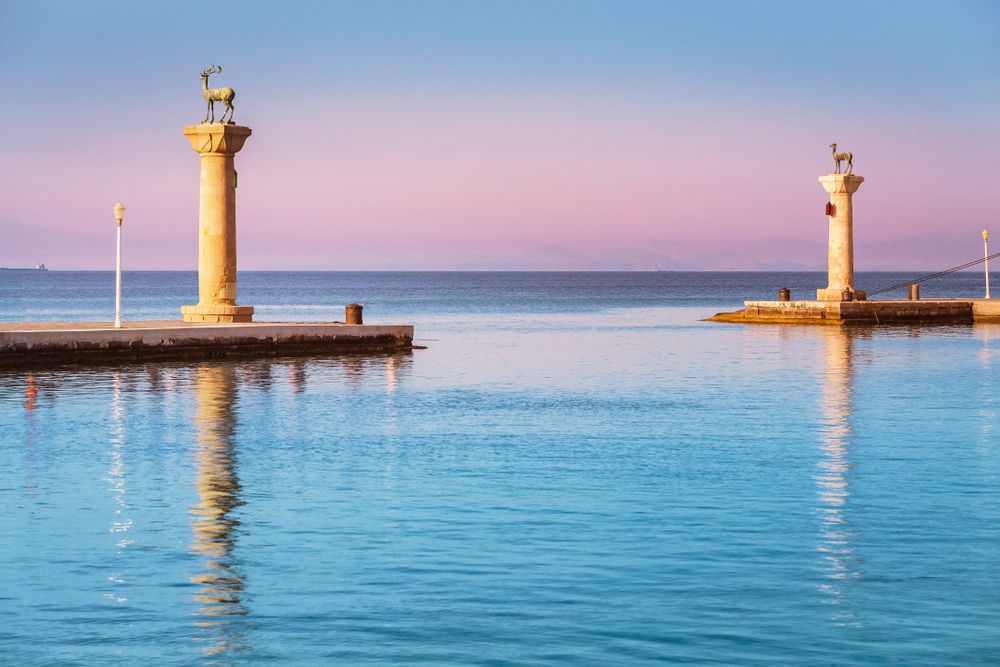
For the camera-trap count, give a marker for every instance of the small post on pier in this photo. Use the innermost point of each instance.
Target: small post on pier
(119, 216)
(986, 258)
(352, 314)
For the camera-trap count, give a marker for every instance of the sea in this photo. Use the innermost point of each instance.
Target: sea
(576, 470)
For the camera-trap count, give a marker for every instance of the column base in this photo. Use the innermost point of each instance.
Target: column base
(217, 313)
(837, 294)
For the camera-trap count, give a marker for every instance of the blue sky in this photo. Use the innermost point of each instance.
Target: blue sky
(504, 135)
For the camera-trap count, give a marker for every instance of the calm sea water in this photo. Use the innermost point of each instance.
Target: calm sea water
(576, 471)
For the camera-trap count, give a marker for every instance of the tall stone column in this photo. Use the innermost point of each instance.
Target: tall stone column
(840, 255)
(217, 144)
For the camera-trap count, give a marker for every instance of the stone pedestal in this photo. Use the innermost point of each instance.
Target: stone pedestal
(840, 256)
(217, 144)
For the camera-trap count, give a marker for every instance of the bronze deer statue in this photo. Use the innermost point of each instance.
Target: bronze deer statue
(213, 95)
(841, 157)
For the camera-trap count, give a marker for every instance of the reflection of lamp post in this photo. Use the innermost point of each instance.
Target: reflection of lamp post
(986, 258)
(119, 216)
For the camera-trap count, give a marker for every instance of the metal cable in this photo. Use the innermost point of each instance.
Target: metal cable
(930, 276)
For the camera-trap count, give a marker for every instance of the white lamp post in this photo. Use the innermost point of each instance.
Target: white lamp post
(119, 216)
(986, 258)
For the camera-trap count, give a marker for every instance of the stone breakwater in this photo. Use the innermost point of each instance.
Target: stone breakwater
(46, 343)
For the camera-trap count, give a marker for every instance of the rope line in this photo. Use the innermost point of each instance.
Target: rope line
(931, 276)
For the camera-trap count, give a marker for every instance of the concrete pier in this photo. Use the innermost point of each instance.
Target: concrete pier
(927, 311)
(48, 343)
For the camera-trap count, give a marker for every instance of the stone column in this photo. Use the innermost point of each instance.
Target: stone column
(840, 256)
(217, 144)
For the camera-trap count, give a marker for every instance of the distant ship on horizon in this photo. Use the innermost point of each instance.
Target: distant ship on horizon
(37, 267)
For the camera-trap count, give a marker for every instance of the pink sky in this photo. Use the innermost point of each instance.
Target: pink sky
(688, 174)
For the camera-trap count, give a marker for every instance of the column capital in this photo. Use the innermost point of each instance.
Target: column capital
(841, 183)
(217, 138)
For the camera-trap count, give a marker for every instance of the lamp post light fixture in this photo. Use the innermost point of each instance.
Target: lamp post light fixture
(986, 258)
(119, 216)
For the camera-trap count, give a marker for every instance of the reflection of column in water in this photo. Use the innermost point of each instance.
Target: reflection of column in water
(221, 584)
(392, 372)
(121, 524)
(391, 421)
(31, 438)
(832, 479)
(30, 394)
(297, 376)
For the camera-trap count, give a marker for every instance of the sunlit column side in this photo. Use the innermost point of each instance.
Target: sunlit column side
(840, 252)
(217, 144)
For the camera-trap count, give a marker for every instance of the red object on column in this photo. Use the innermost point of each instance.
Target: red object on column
(831, 210)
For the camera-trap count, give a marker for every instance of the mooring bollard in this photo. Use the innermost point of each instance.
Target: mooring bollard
(784, 294)
(353, 313)
(914, 294)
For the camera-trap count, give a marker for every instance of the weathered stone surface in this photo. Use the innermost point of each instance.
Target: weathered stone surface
(217, 313)
(217, 138)
(840, 253)
(929, 311)
(45, 343)
(217, 144)
(986, 310)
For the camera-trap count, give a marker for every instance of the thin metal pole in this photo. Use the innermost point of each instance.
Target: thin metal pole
(118, 281)
(986, 255)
